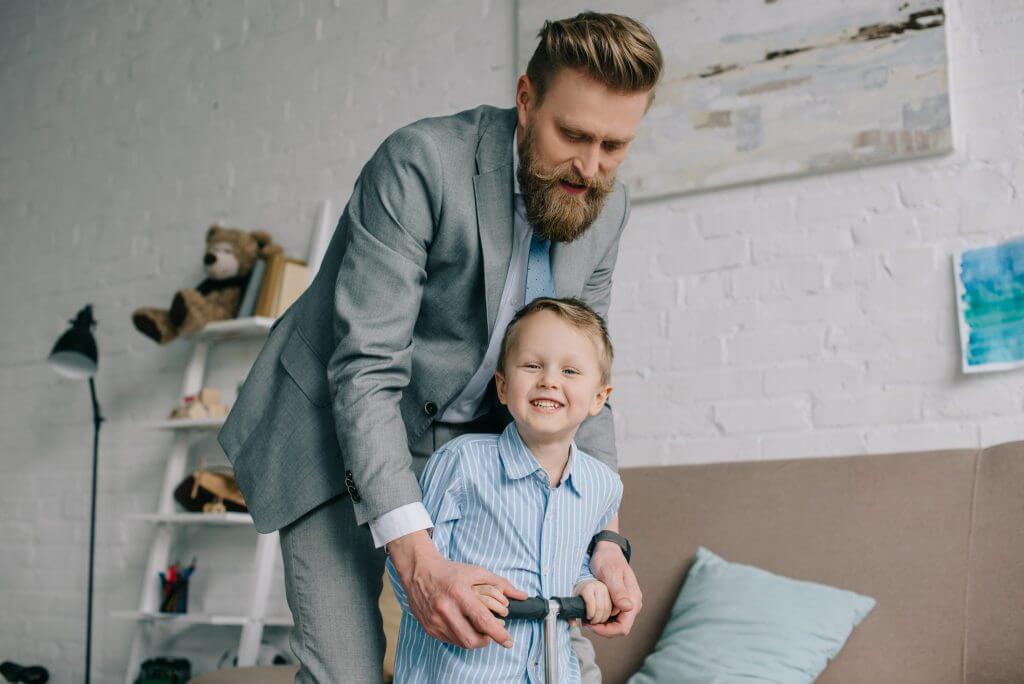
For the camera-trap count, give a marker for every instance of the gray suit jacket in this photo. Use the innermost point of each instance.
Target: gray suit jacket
(396, 322)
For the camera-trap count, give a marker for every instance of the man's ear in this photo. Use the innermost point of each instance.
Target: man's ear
(599, 399)
(525, 98)
(499, 386)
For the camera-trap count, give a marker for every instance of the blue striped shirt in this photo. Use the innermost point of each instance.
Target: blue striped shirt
(493, 506)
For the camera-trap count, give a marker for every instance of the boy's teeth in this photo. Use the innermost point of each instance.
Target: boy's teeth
(545, 404)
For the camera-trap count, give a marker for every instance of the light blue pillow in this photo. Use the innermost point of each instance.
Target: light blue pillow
(737, 623)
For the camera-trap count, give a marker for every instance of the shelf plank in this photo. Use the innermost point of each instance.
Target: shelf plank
(185, 424)
(218, 331)
(199, 619)
(229, 518)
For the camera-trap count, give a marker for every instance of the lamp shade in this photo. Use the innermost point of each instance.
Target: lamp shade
(74, 355)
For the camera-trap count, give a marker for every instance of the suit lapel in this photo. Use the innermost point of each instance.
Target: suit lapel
(495, 225)
(571, 263)
(494, 209)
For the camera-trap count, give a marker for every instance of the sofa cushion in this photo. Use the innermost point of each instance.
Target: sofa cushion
(735, 622)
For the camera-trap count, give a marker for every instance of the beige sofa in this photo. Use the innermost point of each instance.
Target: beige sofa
(936, 537)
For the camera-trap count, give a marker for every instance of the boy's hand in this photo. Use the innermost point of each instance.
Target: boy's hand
(493, 599)
(598, 601)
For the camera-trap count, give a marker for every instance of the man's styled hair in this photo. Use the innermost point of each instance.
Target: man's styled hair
(615, 50)
(577, 314)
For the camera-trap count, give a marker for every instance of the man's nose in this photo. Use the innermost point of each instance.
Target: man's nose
(588, 162)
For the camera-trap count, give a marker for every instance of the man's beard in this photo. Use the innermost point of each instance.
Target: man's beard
(555, 214)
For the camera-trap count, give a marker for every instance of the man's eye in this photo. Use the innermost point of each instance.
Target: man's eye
(613, 147)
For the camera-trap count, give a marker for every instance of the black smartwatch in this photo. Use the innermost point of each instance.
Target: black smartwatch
(605, 535)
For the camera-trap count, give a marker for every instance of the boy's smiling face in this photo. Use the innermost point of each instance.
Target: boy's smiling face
(552, 378)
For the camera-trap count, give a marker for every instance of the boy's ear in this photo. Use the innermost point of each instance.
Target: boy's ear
(599, 399)
(499, 385)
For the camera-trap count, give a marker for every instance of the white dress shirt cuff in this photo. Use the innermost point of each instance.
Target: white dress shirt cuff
(403, 520)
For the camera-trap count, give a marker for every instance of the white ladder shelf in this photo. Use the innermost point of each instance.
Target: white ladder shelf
(167, 518)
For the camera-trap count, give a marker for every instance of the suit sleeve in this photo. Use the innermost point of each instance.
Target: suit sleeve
(596, 435)
(389, 223)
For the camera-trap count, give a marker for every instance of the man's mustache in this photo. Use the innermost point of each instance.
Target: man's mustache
(598, 183)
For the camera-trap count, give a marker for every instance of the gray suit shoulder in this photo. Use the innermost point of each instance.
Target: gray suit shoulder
(452, 130)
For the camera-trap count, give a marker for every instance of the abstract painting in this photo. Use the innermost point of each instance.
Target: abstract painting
(761, 89)
(990, 301)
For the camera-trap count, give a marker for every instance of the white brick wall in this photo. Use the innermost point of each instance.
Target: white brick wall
(126, 129)
(799, 318)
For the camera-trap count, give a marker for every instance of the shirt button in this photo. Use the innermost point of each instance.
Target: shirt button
(430, 408)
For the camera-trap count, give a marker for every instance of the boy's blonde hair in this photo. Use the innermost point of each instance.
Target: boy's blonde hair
(576, 313)
(612, 49)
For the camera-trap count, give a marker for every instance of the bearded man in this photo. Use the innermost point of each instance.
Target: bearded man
(453, 225)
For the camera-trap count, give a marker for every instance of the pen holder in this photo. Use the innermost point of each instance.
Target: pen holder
(174, 595)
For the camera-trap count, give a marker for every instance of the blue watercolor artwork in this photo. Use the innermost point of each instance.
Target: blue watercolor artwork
(990, 302)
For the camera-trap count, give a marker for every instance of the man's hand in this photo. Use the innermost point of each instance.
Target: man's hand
(610, 566)
(441, 594)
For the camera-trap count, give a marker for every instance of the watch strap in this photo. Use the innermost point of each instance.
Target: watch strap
(618, 539)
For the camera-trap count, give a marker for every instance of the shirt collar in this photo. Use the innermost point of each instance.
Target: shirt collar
(519, 462)
(515, 161)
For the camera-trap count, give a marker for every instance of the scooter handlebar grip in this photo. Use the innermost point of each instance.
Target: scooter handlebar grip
(534, 608)
(572, 608)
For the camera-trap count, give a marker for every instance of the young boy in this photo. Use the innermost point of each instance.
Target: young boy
(523, 504)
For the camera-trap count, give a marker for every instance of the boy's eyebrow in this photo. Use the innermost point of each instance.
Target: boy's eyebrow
(572, 360)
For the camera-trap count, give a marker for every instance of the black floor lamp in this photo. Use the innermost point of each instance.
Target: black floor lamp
(75, 356)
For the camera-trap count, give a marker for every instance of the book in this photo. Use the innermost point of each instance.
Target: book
(252, 288)
(284, 280)
(294, 282)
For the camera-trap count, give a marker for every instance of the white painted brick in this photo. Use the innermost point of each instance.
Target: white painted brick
(703, 256)
(813, 444)
(886, 230)
(1002, 430)
(852, 269)
(983, 398)
(725, 383)
(922, 438)
(837, 307)
(914, 369)
(816, 377)
(880, 409)
(762, 416)
(705, 289)
(775, 345)
(714, 320)
(825, 240)
(720, 449)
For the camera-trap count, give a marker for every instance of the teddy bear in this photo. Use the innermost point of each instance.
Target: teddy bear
(230, 257)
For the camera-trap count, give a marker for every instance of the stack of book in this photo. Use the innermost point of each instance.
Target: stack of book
(275, 283)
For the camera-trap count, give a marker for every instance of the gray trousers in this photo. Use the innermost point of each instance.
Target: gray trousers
(333, 575)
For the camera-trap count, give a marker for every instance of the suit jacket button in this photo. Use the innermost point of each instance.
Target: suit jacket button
(430, 408)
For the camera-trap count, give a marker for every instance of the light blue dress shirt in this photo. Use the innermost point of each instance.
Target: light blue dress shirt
(493, 506)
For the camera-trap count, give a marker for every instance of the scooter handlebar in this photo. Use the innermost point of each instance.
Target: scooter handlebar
(536, 608)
